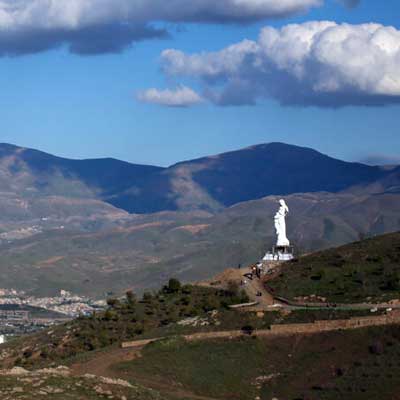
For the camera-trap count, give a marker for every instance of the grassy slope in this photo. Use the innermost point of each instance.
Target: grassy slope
(153, 315)
(345, 365)
(364, 271)
(352, 365)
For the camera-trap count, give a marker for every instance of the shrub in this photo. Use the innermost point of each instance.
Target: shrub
(110, 315)
(174, 286)
(210, 303)
(113, 302)
(376, 348)
(248, 329)
(131, 298)
(147, 297)
(233, 289)
(186, 289)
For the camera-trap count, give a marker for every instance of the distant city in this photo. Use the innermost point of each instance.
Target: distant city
(21, 313)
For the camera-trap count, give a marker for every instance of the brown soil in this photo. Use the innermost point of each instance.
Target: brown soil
(192, 228)
(251, 287)
(102, 365)
(50, 261)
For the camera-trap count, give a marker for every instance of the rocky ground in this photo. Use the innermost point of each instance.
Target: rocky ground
(58, 383)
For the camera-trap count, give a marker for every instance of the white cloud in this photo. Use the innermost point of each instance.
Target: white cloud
(96, 26)
(315, 63)
(179, 97)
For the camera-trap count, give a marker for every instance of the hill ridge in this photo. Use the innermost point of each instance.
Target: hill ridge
(206, 183)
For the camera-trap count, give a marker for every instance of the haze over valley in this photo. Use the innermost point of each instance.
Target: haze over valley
(94, 226)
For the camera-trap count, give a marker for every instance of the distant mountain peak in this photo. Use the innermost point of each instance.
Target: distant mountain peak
(206, 183)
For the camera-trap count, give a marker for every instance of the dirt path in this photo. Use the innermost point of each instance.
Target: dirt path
(267, 300)
(250, 286)
(257, 285)
(102, 365)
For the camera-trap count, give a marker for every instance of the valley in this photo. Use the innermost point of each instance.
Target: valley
(80, 225)
(143, 251)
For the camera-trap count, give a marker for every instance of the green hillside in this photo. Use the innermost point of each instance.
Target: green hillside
(366, 271)
(349, 365)
(355, 365)
(155, 314)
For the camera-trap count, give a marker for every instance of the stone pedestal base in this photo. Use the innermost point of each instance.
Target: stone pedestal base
(280, 254)
(274, 258)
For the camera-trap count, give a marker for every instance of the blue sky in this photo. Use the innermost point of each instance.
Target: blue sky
(85, 106)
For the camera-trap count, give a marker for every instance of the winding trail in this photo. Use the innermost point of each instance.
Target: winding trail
(102, 365)
(269, 302)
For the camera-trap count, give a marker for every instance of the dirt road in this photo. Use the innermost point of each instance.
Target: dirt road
(102, 365)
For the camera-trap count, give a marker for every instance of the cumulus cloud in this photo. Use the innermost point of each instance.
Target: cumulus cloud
(315, 63)
(99, 26)
(180, 97)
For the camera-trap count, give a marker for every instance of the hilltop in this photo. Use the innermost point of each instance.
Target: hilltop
(208, 183)
(365, 271)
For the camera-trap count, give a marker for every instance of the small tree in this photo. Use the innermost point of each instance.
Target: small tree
(110, 315)
(113, 302)
(147, 297)
(233, 289)
(248, 329)
(174, 285)
(131, 298)
(244, 298)
(186, 289)
(210, 303)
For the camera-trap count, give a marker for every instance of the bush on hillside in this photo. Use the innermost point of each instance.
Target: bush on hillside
(174, 286)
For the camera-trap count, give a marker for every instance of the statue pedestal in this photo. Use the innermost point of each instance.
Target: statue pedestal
(272, 260)
(280, 254)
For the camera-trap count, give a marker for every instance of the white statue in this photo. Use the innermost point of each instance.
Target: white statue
(280, 224)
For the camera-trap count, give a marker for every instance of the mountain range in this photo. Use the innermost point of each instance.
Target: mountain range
(93, 226)
(209, 183)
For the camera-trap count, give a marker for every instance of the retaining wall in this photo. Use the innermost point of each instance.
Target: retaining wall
(287, 329)
(331, 325)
